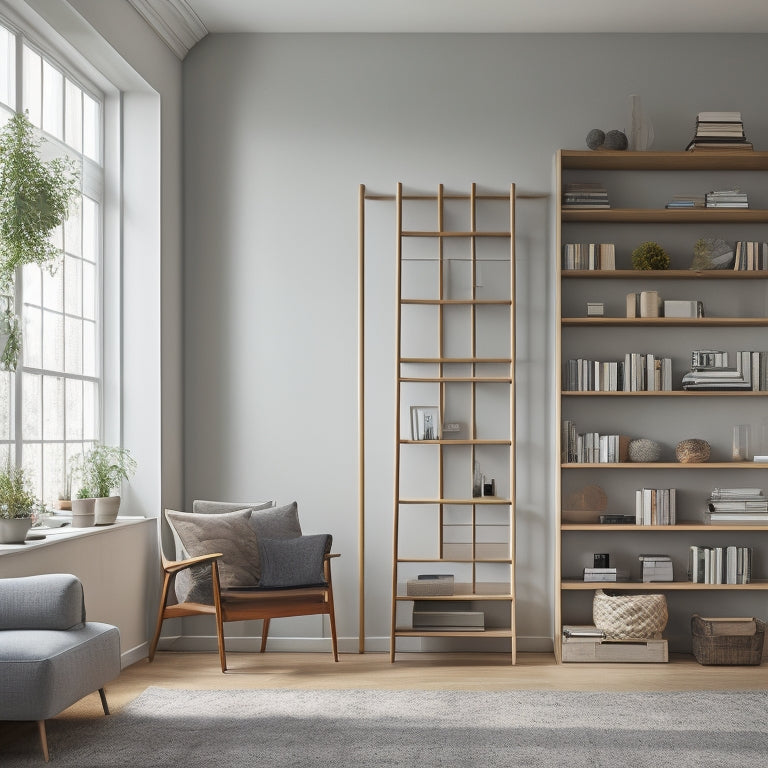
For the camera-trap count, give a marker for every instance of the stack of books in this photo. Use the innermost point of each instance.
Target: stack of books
(751, 255)
(737, 506)
(719, 565)
(710, 371)
(687, 201)
(656, 567)
(592, 447)
(589, 256)
(726, 198)
(655, 506)
(605, 574)
(585, 195)
(719, 132)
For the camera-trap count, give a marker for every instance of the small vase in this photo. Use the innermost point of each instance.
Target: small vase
(83, 513)
(15, 530)
(105, 510)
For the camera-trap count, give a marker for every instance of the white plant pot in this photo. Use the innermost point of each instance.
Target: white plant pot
(83, 513)
(15, 530)
(106, 510)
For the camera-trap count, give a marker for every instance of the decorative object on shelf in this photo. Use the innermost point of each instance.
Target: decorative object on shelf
(650, 255)
(613, 140)
(640, 126)
(683, 308)
(726, 641)
(83, 512)
(430, 584)
(585, 505)
(644, 304)
(642, 449)
(17, 505)
(425, 422)
(630, 617)
(477, 481)
(740, 448)
(595, 309)
(100, 470)
(692, 451)
(712, 253)
(35, 198)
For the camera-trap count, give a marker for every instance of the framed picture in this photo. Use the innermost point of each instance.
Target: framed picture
(425, 422)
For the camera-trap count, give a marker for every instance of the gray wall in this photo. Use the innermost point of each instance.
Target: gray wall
(279, 132)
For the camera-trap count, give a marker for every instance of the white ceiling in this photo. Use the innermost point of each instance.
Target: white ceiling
(482, 15)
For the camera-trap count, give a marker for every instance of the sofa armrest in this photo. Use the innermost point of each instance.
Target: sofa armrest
(48, 601)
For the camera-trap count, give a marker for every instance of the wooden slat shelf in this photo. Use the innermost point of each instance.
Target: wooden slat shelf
(457, 380)
(481, 500)
(665, 215)
(452, 598)
(668, 322)
(459, 441)
(502, 560)
(454, 633)
(460, 302)
(457, 360)
(659, 586)
(664, 274)
(663, 161)
(436, 233)
(666, 528)
(707, 465)
(670, 393)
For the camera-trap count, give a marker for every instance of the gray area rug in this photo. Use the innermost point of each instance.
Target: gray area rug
(363, 728)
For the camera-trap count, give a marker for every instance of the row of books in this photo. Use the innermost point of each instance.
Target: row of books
(655, 506)
(737, 506)
(719, 131)
(726, 198)
(592, 447)
(749, 374)
(719, 565)
(750, 256)
(638, 372)
(589, 256)
(585, 195)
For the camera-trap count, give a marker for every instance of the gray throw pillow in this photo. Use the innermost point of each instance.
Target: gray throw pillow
(228, 533)
(277, 522)
(296, 562)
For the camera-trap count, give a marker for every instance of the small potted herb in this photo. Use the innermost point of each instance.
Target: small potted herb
(17, 505)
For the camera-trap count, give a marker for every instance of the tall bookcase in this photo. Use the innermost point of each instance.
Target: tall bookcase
(455, 360)
(736, 317)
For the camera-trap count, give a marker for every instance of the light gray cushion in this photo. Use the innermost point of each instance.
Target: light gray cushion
(228, 533)
(293, 562)
(50, 601)
(277, 523)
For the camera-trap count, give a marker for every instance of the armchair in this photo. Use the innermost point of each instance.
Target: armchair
(240, 562)
(50, 656)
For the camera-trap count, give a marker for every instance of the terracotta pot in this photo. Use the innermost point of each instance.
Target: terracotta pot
(106, 509)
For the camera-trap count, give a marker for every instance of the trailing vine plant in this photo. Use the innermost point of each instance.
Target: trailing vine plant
(35, 198)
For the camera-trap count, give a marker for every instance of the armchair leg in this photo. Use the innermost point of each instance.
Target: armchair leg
(219, 618)
(104, 704)
(43, 738)
(160, 615)
(332, 619)
(264, 634)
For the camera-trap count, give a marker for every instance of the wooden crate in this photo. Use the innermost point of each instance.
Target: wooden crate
(622, 651)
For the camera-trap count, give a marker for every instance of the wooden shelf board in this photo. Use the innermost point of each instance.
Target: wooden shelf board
(436, 233)
(671, 465)
(460, 302)
(453, 633)
(456, 360)
(479, 501)
(458, 441)
(502, 560)
(508, 598)
(677, 527)
(659, 586)
(663, 161)
(458, 379)
(671, 393)
(692, 322)
(665, 215)
(664, 274)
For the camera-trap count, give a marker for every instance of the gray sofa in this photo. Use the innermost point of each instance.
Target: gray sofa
(50, 656)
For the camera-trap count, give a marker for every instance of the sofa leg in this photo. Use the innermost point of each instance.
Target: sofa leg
(104, 704)
(43, 738)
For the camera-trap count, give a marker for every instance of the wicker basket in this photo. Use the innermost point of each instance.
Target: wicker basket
(711, 648)
(630, 617)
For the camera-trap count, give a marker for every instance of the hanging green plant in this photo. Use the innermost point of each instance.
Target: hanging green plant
(35, 198)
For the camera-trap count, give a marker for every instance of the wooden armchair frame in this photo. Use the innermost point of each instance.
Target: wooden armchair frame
(245, 604)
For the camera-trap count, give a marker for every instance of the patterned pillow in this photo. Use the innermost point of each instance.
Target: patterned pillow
(277, 522)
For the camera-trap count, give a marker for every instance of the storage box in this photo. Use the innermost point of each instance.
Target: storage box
(428, 585)
(583, 649)
(723, 641)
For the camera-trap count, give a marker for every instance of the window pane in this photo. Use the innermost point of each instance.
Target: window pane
(53, 290)
(32, 461)
(33, 286)
(90, 411)
(32, 407)
(54, 472)
(53, 341)
(90, 210)
(72, 233)
(74, 425)
(90, 358)
(7, 68)
(53, 101)
(73, 128)
(73, 345)
(33, 337)
(6, 406)
(53, 408)
(89, 291)
(33, 86)
(91, 132)
(73, 286)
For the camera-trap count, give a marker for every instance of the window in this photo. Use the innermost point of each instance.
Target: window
(50, 408)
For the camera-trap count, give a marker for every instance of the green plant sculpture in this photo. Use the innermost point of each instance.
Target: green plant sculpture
(35, 198)
(650, 255)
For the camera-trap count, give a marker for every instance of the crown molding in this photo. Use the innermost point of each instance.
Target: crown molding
(174, 21)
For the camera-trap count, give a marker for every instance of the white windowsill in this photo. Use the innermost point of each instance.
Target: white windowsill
(66, 533)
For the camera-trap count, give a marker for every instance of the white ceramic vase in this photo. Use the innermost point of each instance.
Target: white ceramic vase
(83, 513)
(106, 509)
(15, 530)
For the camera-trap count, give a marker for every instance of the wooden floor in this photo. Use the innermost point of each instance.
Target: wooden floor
(471, 672)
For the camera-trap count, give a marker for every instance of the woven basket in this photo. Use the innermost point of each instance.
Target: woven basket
(711, 649)
(630, 617)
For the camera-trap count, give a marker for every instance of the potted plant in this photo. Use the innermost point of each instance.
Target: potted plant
(100, 470)
(17, 505)
(35, 198)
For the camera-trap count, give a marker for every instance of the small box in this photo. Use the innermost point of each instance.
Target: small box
(584, 649)
(675, 308)
(595, 309)
(724, 641)
(430, 584)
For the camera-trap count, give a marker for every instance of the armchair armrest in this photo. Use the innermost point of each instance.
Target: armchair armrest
(174, 566)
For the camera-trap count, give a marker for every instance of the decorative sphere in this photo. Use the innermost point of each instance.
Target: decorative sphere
(643, 450)
(616, 140)
(692, 451)
(595, 138)
(650, 255)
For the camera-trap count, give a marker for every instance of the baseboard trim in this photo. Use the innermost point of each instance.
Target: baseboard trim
(132, 655)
